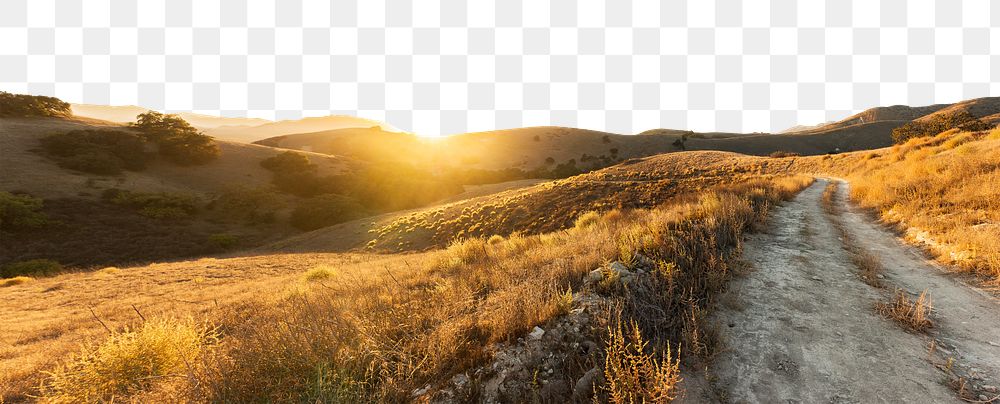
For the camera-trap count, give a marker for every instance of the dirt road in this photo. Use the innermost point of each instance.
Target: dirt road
(801, 327)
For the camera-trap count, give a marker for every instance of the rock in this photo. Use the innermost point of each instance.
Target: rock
(991, 389)
(880, 276)
(422, 391)
(585, 386)
(536, 333)
(460, 380)
(594, 276)
(618, 267)
(983, 398)
(644, 262)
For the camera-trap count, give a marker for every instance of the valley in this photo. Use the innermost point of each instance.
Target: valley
(856, 261)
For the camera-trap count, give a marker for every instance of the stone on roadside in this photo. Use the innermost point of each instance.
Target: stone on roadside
(536, 333)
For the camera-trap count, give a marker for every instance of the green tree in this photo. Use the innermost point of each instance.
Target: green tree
(21, 105)
(97, 151)
(178, 141)
(19, 212)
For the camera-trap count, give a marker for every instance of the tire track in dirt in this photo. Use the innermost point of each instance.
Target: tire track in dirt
(966, 332)
(800, 328)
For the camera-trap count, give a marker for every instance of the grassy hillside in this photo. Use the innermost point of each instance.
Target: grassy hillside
(941, 191)
(243, 130)
(540, 150)
(638, 183)
(376, 327)
(85, 228)
(251, 133)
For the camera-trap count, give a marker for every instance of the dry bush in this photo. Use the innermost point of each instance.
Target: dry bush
(634, 372)
(994, 134)
(912, 315)
(17, 280)
(868, 266)
(320, 273)
(587, 219)
(129, 362)
(780, 154)
(829, 198)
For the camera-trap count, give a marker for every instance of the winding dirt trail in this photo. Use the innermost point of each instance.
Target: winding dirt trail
(801, 327)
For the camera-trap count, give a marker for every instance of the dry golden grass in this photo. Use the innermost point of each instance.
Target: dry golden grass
(942, 191)
(386, 325)
(634, 374)
(17, 280)
(320, 273)
(912, 315)
(129, 362)
(46, 320)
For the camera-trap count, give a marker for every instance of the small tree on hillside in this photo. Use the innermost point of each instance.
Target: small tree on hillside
(179, 142)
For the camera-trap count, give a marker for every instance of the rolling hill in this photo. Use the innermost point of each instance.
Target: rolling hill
(248, 133)
(244, 130)
(540, 147)
(86, 229)
(127, 113)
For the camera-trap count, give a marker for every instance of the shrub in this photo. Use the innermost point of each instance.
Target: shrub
(586, 220)
(17, 280)
(994, 134)
(325, 210)
(962, 120)
(179, 142)
(97, 151)
(288, 162)
(913, 315)
(129, 362)
(22, 105)
(780, 154)
(296, 175)
(160, 205)
(634, 374)
(18, 212)
(189, 149)
(36, 267)
(319, 273)
(249, 205)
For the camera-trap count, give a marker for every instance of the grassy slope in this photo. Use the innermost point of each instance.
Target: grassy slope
(518, 148)
(49, 318)
(90, 231)
(941, 191)
(252, 133)
(640, 183)
(27, 171)
(475, 299)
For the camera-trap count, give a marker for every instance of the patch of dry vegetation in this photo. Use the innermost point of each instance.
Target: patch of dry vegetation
(17, 280)
(129, 362)
(633, 374)
(943, 191)
(911, 314)
(380, 332)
